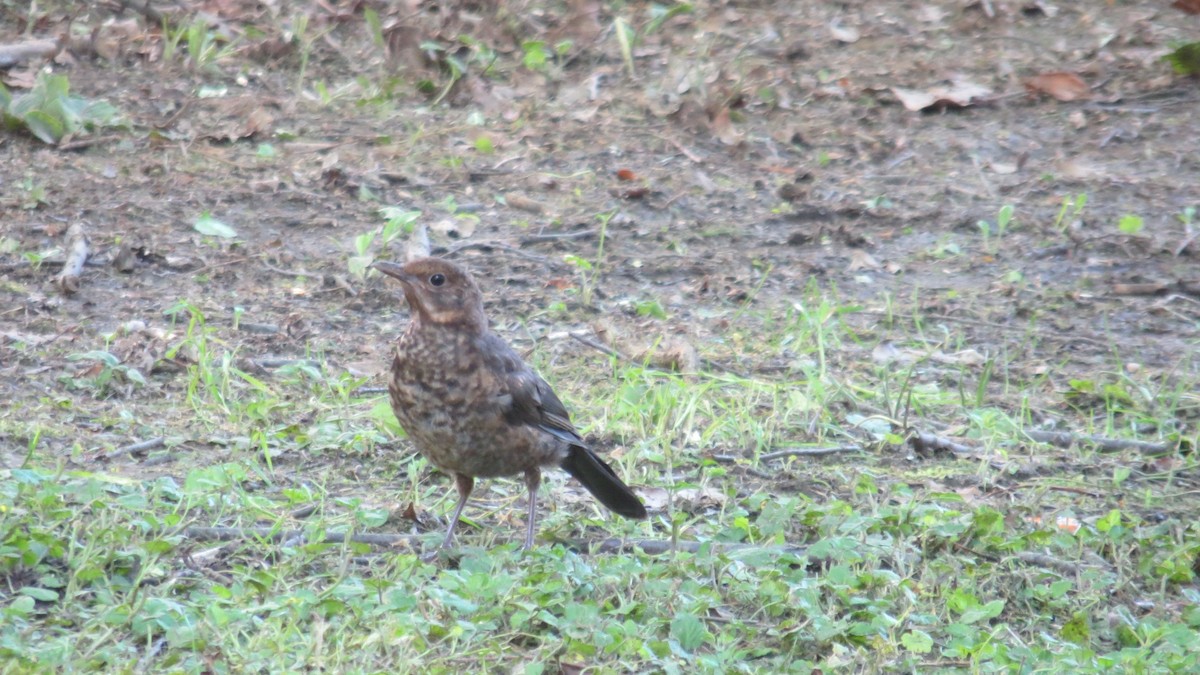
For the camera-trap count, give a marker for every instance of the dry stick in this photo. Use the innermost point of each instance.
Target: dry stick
(605, 349)
(278, 362)
(660, 546)
(272, 534)
(650, 546)
(88, 142)
(1064, 439)
(923, 441)
(1068, 567)
(486, 246)
(135, 448)
(730, 459)
(1000, 326)
(555, 236)
(77, 255)
(12, 55)
(809, 452)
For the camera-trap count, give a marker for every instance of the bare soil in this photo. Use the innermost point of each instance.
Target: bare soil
(757, 153)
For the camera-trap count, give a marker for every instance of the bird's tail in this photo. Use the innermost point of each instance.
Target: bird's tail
(600, 480)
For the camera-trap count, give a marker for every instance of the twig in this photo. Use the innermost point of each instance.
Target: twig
(77, 255)
(610, 545)
(604, 349)
(487, 246)
(288, 273)
(261, 328)
(696, 159)
(660, 546)
(276, 535)
(1072, 337)
(923, 441)
(275, 362)
(12, 55)
(730, 459)
(87, 142)
(555, 236)
(613, 545)
(809, 452)
(1066, 439)
(1069, 567)
(139, 447)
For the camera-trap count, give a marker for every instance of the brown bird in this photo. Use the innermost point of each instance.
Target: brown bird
(471, 405)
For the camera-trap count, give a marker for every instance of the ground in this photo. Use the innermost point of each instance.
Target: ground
(894, 303)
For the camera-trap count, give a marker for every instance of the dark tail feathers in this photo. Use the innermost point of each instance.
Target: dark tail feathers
(600, 480)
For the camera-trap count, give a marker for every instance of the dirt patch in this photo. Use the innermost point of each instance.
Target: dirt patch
(752, 152)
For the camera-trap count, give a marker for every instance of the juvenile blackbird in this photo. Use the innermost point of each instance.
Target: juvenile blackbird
(471, 405)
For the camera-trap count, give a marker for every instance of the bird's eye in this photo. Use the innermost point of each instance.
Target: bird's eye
(437, 279)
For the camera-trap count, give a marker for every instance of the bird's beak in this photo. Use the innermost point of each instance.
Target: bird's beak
(394, 270)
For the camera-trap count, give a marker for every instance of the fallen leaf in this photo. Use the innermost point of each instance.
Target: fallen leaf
(861, 260)
(966, 357)
(674, 354)
(655, 498)
(959, 94)
(258, 123)
(1063, 86)
(723, 127)
(212, 227)
(844, 34)
(1187, 6)
(455, 228)
(520, 201)
(694, 499)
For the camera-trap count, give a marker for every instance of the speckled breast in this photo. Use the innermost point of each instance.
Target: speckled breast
(451, 415)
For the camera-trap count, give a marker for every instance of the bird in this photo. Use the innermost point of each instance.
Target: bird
(470, 404)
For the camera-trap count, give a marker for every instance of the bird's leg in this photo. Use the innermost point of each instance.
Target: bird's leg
(464, 485)
(533, 479)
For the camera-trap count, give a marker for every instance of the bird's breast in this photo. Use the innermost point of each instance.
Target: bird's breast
(452, 409)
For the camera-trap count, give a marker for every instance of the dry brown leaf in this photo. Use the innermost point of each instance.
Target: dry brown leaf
(1062, 85)
(1187, 6)
(258, 123)
(581, 24)
(723, 127)
(695, 499)
(966, 357)
(655, 498)
(861, 260)
(959, 94)
(455, 228)
(661, 102)
(519, 201)
(675, 354)
(22, 78)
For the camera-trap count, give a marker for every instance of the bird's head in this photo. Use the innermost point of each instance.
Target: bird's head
(438, 292)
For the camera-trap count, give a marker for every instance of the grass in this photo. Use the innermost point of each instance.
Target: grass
(885, 555)
(899, 563)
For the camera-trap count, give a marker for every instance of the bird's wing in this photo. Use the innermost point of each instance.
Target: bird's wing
(524, 397)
